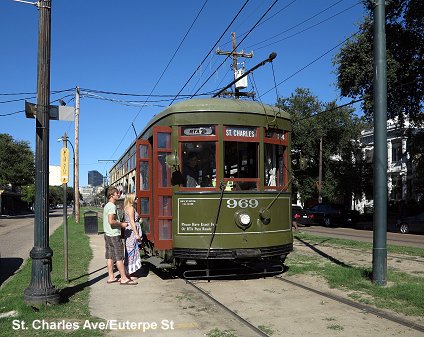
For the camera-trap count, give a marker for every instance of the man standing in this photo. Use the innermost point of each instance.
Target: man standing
(113, 243)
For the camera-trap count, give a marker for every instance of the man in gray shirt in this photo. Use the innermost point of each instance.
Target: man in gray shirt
(113, 242)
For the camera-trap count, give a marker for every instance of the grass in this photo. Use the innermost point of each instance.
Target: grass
(221, 333)
(405, 293)
(74, 306)
(326, 241)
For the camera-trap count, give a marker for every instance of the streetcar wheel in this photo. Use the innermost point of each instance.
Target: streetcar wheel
(404, 228)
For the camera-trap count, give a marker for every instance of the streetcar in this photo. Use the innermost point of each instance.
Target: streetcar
(213, 182)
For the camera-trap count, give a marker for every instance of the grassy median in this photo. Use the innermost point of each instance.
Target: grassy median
(74, 308)
(404, 293)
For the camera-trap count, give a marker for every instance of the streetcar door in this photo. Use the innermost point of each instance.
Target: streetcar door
(162, 227)
(144, 185)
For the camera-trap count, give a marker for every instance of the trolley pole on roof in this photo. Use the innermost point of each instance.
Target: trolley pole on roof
(379, 268)
(40, 289)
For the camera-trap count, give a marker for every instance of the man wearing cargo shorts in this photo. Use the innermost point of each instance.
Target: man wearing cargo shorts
(113, 242)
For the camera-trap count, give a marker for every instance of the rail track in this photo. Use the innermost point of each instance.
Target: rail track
(362, 307)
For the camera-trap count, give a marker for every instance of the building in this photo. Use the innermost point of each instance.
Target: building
(54, 176)
(95, 178)
(400, 171)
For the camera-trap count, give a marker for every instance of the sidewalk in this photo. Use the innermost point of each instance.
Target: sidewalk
(153, 305)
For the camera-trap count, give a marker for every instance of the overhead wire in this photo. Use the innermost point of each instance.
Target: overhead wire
(238, 44)
(312, 62)
(303, 30)
(157, 82)
(278, 12)
(210, 51)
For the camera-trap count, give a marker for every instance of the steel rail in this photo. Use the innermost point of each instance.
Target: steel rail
(365, 308)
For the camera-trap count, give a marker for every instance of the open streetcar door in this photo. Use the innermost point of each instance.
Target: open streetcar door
(162, 224)
(144, 186)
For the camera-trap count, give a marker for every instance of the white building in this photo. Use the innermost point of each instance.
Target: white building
(54, 176)
(400, 172)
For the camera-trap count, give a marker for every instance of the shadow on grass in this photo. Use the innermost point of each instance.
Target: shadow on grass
(325, 255)
(9, 265)
(68, 292)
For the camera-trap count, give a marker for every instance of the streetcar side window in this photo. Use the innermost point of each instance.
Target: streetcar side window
(274, 160)
(198, 164)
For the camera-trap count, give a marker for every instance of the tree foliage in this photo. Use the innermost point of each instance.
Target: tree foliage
(405, 62)
(16, 162)
(344, 169)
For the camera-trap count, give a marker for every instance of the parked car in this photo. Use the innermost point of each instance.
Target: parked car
(301, 216)
(330, 214)
(411, 224)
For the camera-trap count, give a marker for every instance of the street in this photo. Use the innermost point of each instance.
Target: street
(410, 240)
(17, 240)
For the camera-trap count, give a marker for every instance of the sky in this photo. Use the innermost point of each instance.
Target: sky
(151, 49)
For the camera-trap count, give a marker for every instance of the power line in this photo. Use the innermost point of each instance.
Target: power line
(33, 93)
(157, 82)
(236, 46)
(312, 62)
(303, 30)
(210, 51)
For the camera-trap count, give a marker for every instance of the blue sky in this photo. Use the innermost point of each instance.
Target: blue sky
(125, 46)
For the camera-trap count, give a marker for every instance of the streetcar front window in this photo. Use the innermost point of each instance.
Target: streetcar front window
(198, 164)
(241, 165)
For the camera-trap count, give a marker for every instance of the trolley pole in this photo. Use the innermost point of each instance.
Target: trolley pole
(40, 289)
(379, 262)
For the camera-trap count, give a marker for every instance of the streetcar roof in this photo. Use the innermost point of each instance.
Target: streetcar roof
(203, 105)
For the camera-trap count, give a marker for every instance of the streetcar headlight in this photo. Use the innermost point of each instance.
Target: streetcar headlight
(242, 219)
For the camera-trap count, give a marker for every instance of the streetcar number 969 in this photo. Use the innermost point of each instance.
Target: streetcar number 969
(242, 203)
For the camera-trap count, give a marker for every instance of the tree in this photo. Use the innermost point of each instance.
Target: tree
(28, 193)
(344, 169)
(16, 162)
(405, 61)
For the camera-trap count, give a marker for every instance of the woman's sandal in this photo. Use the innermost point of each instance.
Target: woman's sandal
(128, 283)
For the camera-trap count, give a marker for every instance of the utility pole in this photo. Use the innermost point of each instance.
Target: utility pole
(40, 289)
(234, 54)
(379, 261)
(76, 142)
(320, 172)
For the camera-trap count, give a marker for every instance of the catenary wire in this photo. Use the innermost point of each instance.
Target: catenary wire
(260, 19)
(210, 51)
(138, 113)
(304, 30)
(312, 62)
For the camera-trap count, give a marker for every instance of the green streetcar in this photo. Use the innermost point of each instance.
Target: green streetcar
(212, 177)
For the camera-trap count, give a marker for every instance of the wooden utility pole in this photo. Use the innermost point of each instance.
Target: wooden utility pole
(234, 54)
(76, 143)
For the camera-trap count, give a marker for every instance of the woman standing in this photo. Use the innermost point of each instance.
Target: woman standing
(133, 236)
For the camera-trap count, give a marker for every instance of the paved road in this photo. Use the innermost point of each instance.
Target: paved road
(399, 239)
(17, 240)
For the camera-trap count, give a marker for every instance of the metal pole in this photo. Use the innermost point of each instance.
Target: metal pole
(76, 143)
(65, 220)
(320, 173)
(40, 289)
(380, 147)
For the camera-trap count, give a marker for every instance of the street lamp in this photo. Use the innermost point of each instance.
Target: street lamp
(65, 138)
